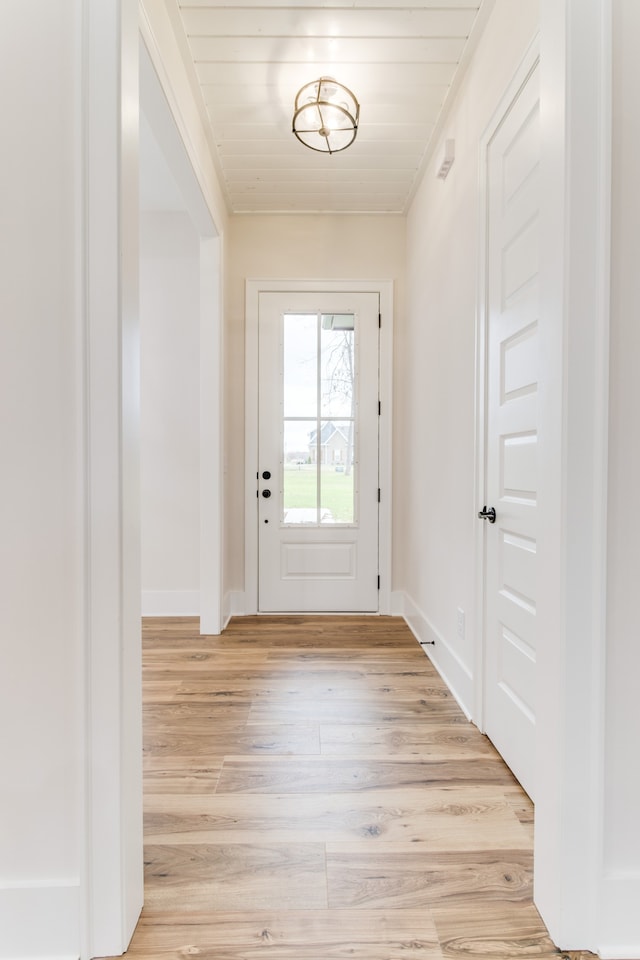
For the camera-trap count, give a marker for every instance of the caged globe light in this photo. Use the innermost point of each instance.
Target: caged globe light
(326, 116)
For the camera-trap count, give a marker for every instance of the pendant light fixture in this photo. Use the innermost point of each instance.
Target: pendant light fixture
(326, 116)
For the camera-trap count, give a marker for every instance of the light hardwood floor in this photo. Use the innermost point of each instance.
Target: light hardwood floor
(313, 792)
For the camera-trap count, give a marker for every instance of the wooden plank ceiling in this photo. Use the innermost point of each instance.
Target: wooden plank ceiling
(399, 58)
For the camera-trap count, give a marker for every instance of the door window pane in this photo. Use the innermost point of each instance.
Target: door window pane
(300, 362)
(337, 365)
(300, 472)
(337, 485)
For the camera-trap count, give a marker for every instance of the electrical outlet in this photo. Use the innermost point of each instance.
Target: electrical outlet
(460, 621)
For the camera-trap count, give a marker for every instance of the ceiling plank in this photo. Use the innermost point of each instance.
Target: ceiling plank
(323, 22)
(337, 4)
(293, 75)
(331, 50)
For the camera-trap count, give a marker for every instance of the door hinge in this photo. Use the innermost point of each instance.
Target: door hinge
(378, 581)
(378, 494)
(379, 321)
(379, 407)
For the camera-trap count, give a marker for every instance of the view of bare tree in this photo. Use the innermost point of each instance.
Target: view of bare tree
(338, 384)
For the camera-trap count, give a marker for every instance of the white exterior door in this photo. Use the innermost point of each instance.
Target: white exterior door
(511, 447)
(317, 492)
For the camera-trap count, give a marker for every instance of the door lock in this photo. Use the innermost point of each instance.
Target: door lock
(489, 514)
(266, 494)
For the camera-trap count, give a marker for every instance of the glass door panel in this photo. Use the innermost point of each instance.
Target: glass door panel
(337, 366)
(300, 363)
(337, 486)
(318, 455)
(299, 473)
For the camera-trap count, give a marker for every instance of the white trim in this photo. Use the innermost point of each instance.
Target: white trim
(444, 658)
(161, 30)
(253, 289)
(211, 472)
(163, 113)
(112, 880)
(234, 605)
(170, 603)
(618, 933)
(576, 62)
(522, 74)
(624, 952)
(40, 920)
(397, 603)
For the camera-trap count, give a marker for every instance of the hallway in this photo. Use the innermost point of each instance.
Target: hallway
(313, 791)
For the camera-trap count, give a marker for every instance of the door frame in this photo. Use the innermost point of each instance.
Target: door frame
(572, 889)
(165, 127)
(529, 62)
(253, 289)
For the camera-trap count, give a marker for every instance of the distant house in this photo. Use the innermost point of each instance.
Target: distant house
(334, 443)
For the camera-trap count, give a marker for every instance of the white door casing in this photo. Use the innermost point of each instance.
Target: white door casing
(510, 482)
(247, 602)
(318, 452)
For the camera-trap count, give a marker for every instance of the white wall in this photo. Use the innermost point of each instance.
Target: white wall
(296, 248)
(170, 414)
(435, 513)
(40, 510)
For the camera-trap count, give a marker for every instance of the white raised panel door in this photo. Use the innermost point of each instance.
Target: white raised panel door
(317, 494)
(513, 205)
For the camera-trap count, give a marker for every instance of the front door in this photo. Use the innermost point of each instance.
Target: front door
(513, 204)
(317, 490)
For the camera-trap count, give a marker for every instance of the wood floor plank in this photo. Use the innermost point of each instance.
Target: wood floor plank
(403, 740)
(410, 877)
(197, 877)
(290, 935)
(156, 714)
(198, 737)
(327, 684)
(355, 711)
(181, 775)
(496, 929)
(444, 821)
(337, 774)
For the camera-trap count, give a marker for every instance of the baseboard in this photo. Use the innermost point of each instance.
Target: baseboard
(233, 605)
(453, 671)
(40, 922)
(619, 924)
(170, 603)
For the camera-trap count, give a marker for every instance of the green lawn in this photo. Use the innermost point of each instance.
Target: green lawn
(336, 490)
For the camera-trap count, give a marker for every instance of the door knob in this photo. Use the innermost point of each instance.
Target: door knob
(266, 494)
(489, 514)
